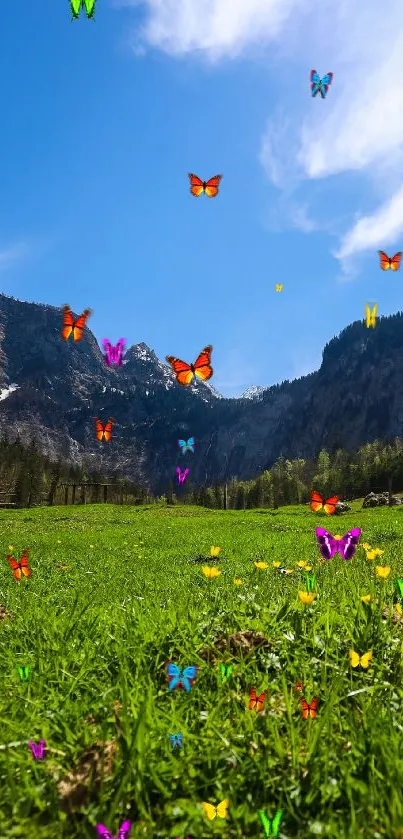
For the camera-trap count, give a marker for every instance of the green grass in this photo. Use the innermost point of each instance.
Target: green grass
(101, 631)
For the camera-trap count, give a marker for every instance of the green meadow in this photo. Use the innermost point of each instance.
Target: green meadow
(114, 594)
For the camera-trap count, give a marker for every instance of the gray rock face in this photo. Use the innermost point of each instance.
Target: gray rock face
(52, 390)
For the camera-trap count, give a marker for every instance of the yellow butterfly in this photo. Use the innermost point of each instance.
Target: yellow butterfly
(221, 810)
(371, 315)
(210, 573)
(279, 287)
(364, 660)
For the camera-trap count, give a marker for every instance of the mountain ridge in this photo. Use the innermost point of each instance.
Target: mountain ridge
(59, 387)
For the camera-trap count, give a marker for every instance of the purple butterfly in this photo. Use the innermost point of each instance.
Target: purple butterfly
(123, 833)
(182, 475)
(114, 355)
(37, 750)
(346, 545)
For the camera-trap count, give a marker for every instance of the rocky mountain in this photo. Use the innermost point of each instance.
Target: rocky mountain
(51, 390)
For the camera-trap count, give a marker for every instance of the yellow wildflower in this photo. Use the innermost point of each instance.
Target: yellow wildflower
(214, 551)
(366, 598)
(237, 581)
(210, 573)
(306, 598)
(276, 563)
(382, 571)
(261, 564)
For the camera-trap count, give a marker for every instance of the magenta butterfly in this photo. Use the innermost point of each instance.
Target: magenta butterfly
(345, 545)
(38, 751)
(182, 475)
(114, 355)
(123, 832)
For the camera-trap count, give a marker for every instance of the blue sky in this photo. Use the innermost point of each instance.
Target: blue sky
(101, 122)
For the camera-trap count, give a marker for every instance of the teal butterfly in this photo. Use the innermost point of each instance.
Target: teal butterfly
(76, 5)
(225, 672)
(271, 828)
(187, 446)
(23, 673)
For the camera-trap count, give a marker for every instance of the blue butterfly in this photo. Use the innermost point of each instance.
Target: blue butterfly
(176, 740)
(187, 446)
(180, 678)
(319, 85)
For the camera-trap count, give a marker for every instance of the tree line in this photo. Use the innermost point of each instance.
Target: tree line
(30, 478)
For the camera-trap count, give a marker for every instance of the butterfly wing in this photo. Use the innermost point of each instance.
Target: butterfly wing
(330, 505)
(23, 563)
(354, 658)
(15, 567)
(183, 372)
(315, 82)
(120, 348)
(252, 699)
(202, 365)
(79, 324)
(316, 501)
(174, 675)
(75, 8)
(108, 430)
(209, 810)
(183, 445)
(99, 430)
(68, 322)
(313, 707)
(104, 832)
(366, 659)
(191, 444)
(196, 185)
(222, 808)
(265, 822)
(124, 830)
(108, 351)
(324, 85)
(305, 709)
(275, 825)
(328, 545)
(347, 545)
(185, 474)
(211, 187)
(384, 260)
(188, 676)
(395, 261)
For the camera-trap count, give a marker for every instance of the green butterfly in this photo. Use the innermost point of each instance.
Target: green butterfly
(76, 5)
(399, 589)
(226, 670)
(271, 828)
(310, 580)
(24, 673)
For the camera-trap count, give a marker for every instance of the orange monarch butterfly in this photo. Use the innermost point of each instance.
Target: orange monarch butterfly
(20, 566)
(256, 702)
(185, 372)
(104, 432)
(309, 710)
(74, 327)
(392, 262)
(317, 503)
(210, 188)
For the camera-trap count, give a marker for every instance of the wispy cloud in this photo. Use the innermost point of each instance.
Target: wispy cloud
(358, 128)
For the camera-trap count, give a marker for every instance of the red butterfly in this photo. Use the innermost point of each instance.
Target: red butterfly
(185, 372)
(392, 262)
(74, 327)
(104, 432)
(256, 702)
(197, 186)
(20, 566)
(309, 710)
(317, 503)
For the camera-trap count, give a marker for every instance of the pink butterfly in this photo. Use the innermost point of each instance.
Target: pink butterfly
(123, 833)
(182, 475)
(114, 355)
(345, 545)
(37, 750)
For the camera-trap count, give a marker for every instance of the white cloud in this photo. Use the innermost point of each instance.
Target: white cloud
(376, 230)
(358, 128)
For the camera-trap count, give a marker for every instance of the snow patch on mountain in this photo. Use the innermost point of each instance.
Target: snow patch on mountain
(7, 390)
(253, 392)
